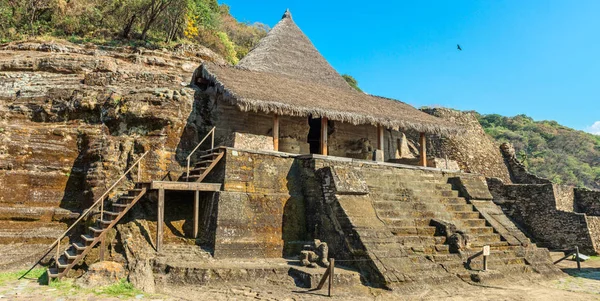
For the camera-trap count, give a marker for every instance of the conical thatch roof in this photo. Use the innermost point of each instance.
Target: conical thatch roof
(286, 50)
(286, 75)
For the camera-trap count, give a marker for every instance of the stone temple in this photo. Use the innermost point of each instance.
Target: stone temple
(190, 171)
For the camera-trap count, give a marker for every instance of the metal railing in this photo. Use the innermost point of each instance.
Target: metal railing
(99, 201)
(212, 145)
(569, 253)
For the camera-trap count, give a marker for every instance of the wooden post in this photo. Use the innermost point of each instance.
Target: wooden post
(102, 246)
(324, 136)
(380, 137)
(423, 150)
(276, 132)
(160, 219)
(577, 258)
(196, 212)
(332, 267)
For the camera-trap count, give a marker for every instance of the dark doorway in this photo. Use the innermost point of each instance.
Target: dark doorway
(314, 135)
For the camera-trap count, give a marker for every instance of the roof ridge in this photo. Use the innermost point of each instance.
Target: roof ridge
(287, 50)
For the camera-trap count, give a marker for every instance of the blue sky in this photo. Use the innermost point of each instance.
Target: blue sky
(534, 57)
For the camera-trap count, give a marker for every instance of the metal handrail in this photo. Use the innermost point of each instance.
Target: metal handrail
(212, 145)
(100, 201)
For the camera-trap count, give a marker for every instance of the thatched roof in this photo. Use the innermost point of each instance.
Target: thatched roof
(286, 50)
(286, 75)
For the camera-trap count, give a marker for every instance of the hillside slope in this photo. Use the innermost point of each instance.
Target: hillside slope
(548, 149)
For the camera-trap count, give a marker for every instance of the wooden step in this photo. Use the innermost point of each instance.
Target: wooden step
(71, 255)
(211, 155)
(79, 246)
(198, 170)
(87, 238)
(112, 214)
(105, 223)
(203, 163)
(192, 178)
(96, 231)
(62, 263)
(53, 273)
(119, 207)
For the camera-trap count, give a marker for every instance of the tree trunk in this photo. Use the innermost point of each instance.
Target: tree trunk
(128, 26)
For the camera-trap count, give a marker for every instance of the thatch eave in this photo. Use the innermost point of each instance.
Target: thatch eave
(432, 125)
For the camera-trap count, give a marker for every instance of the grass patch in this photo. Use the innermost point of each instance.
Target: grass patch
(119, 289)
(64, 285)
(11, 276)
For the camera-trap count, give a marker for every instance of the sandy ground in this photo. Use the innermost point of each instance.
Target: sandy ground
(584, 285)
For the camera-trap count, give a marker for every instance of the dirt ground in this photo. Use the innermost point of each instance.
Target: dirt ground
(584, 285)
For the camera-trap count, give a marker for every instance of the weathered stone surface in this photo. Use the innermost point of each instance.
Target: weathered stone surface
(101, 274)
(518, 171)
(73, 119)
(472, 187)
(473, 150)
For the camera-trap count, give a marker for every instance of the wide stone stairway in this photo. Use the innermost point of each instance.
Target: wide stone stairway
(406, 246)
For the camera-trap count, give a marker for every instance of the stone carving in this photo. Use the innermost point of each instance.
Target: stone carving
(456, 240)
(315, 254)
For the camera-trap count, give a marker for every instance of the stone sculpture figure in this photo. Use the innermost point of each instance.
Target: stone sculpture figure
(315, 254)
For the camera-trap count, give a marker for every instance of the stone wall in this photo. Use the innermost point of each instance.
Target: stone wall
(261, 207)
(588, 201)
(534, 207)
(518, 171)
(474, 150)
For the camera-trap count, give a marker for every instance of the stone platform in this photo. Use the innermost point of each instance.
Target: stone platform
(190, 265)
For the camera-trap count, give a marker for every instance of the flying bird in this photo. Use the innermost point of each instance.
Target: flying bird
(458, 47)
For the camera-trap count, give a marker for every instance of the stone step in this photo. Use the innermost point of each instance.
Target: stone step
(475, 222)
(486, 238)
(406, 206)
(407, 214)
(382, 196)
(480, 230)
(459, 207)
(410, 185)
(406, 222)
(465, 214)
(493, 244)
(420, 231)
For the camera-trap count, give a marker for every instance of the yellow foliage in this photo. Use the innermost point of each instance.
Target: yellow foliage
(191, 27)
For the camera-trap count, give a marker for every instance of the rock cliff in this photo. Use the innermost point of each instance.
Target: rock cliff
(73, 119)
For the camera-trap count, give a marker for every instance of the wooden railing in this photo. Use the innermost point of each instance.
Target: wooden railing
(99, 201)
(212, 145)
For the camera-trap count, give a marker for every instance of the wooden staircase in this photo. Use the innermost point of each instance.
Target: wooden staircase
(108, 219)
(202, 168)
(76, 251)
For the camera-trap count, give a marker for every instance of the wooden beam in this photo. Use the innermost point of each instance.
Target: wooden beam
(423, 149)
(324, 136)
(160, 219)
(193, 186)
(380, 137)
(276, 132)
(196, 212)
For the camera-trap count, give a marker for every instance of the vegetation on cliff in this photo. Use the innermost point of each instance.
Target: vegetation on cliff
(548, 149)
(148, 23)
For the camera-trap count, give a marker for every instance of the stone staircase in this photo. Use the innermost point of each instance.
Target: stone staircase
(405, 246)
(109, 218)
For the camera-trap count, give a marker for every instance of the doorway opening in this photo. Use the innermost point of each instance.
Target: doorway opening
(314, 135)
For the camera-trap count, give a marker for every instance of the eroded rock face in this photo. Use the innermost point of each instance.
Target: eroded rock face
(73, 119)
(473, 150)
